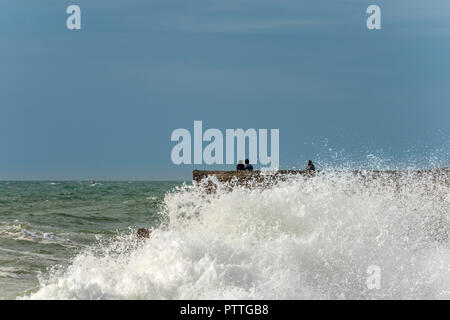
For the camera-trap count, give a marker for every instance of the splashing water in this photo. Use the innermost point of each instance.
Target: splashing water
(304, 238)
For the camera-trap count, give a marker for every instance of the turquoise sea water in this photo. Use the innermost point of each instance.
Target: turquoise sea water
(47, 223)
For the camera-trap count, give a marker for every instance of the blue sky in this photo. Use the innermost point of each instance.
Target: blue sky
(102, 102)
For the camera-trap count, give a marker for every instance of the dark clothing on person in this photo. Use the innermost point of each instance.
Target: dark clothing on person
(248, 166)
(310, 166)
(240, 166)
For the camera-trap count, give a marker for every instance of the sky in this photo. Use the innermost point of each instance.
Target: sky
(101, 102)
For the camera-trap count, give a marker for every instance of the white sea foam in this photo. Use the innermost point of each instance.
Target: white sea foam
(303, 238)
(26, 232)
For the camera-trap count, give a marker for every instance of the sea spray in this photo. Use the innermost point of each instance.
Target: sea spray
(304, 238)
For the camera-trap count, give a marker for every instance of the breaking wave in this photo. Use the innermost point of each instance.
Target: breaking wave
(303, 238)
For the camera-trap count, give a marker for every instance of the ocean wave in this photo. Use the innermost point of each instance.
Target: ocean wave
(304, 238)
(24, 231)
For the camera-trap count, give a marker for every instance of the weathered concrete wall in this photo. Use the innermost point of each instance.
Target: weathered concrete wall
(258, 178)
(226, 176)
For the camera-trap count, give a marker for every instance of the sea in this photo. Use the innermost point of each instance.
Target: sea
(331, 236)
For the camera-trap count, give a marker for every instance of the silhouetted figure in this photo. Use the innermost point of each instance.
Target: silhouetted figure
(310, 166)
(240, 166)
(248, 166)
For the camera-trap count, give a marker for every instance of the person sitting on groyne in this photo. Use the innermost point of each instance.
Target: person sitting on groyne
(248, 166)
(240, 166)
(310, 166)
